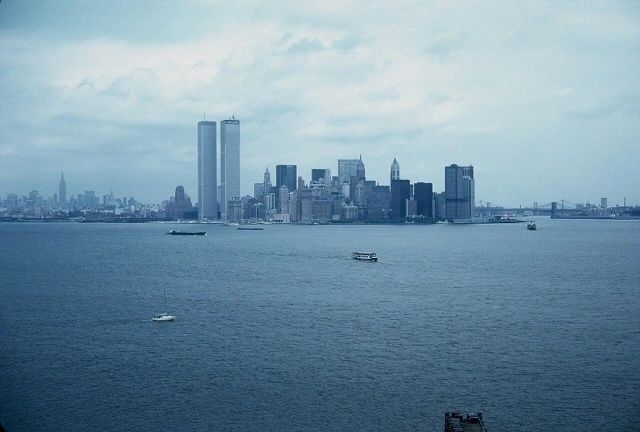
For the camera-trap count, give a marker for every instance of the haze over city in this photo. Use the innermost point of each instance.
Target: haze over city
(542, 98)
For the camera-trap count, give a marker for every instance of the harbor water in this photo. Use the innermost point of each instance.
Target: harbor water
(281, 330)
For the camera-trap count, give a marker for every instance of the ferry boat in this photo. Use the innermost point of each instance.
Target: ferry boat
(531, 226)
(365, 256)
(193, 233)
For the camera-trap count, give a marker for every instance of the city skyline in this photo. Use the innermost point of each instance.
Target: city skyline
(544, 105)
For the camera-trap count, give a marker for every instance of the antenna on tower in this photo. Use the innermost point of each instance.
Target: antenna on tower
(204, 116)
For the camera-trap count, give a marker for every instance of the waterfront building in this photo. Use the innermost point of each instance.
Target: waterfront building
(603, 203)
(294, 212)
(306, 205)
(400, 193)
(286, 175)
(229, 162)
(349, 212)
(459, 192)
(412, 208)
(423, 194)
(395, 171)
(378, 204)
(207, 171)
(347, 169)
(62, 192)
(321, 210)
(439, 206)
(234, 210)
(283, 199)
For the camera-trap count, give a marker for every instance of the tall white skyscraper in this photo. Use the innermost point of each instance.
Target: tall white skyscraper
(207, 171)
(229, 162)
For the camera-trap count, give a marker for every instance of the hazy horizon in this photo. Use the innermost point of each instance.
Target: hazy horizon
(542, 98)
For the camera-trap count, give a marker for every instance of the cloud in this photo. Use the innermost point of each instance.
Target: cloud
(305, 45)
(310, 86)
(621, 104)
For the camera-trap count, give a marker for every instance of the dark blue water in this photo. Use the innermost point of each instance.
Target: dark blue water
(279, 330)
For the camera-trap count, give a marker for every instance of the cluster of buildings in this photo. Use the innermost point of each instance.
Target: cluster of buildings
(347, 197)
(87, 205)
(288, 198)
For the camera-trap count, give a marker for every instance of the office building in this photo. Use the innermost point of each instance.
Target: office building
(395, 171)
(440, 207)
(229, 162)
(62, 192)
(603, 203)
(360, 172)
(400, 193)
(207, 171)
(286, 175)
(179, 206)
(378, 204)
(347, 169)
(423, 194)
(460, 192)
(322, 175)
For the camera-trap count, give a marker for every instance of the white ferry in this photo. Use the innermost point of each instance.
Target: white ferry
(365, 256)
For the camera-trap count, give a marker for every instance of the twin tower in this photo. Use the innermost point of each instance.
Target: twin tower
(208, 193)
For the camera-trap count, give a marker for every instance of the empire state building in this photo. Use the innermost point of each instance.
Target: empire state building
(62, 192)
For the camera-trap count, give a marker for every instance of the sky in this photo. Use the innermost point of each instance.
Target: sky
(542, 98)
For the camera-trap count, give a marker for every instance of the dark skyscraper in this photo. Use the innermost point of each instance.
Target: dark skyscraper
(321, 174)
(459, 192)
(423, 194)
(378, 204)
(207, 171)
(179, 195)
(62, 192)
(360, 172)
(400, 193)
(286, 175)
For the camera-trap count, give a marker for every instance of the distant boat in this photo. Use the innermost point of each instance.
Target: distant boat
(531, 226)
(365, 256)
(249, 228)
(187, 233)
(164, 316)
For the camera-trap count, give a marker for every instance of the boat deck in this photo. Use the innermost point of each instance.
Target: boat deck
(456, 422)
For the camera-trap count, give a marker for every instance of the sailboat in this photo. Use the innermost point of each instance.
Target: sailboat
(164, 316)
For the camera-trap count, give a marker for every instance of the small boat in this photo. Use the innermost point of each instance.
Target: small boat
(249, 228)
(531, 226)
(187, 233)
(365, 256)
(164, 316)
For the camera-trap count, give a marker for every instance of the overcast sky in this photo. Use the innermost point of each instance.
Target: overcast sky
(543, 98)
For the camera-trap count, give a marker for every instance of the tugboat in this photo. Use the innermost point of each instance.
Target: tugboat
(531, 226)
(365, 256)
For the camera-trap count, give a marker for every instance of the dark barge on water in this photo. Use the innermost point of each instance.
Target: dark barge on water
(187, 233)
(457, 422)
